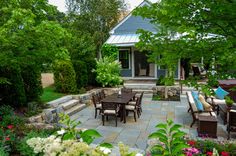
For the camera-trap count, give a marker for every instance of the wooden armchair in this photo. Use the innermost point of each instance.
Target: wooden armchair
(231, 122)
(194, 111)
(109, 109)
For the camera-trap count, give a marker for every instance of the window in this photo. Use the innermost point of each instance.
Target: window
(124, 58)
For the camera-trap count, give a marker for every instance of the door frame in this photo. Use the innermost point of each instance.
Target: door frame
(133, 67)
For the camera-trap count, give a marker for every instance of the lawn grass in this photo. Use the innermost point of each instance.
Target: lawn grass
(50, 94)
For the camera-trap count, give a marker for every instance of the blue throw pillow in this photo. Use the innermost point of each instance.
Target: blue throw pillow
(198, 104)
(195, 94)
(221, 93)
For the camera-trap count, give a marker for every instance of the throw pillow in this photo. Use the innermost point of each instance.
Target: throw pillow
(206, 105)
(221, 93)
(198, 104)
(194, 94)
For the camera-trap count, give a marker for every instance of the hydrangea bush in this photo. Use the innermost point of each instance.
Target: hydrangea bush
(108, 72)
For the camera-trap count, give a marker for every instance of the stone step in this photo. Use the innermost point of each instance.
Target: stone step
(146, 91)
(69, 104)
(144, 86)
(75, 109)
(59, 101)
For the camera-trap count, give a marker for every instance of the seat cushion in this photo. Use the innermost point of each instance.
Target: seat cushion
(129, 107)
(132, 103)
(98, 105)
(109, 112)
(221, 93)
(206, 105)
(190, 97)
(215, 101)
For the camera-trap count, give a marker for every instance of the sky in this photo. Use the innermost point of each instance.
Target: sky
(61, 4)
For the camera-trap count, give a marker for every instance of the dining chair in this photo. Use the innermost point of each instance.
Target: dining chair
(231, 123)
(133, 108)
(109, 109)
(102, 94)
(139, 106)
(97, 104)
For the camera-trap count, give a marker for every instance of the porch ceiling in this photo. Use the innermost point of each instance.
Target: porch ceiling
(123, 39)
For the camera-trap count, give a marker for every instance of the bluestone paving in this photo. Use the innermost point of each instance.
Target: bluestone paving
(135, 134)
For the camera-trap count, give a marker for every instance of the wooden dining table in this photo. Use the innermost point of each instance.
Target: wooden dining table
(121, 100)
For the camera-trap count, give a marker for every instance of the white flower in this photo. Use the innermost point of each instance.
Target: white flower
(61, 132)
(81, 140)
(105, 150)
(139, 154)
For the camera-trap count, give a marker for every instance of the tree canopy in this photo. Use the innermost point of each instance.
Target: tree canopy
(191, 29)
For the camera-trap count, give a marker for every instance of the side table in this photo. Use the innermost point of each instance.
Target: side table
(207, 125)
(223, 111)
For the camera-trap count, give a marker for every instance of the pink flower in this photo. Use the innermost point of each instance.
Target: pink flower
(191, 142)
(224, 153)
(209, 153)
(10, 126)
(7, 139)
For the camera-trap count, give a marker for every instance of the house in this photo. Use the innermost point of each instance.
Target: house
(134, 63)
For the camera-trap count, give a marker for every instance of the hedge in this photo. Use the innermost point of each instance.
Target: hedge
(81, 73)
(64, 77)
(12, 93)
(31, 75)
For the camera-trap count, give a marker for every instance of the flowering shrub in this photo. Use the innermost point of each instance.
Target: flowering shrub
(55, 146)
(9, 126)
(208, 147)
(108, 72)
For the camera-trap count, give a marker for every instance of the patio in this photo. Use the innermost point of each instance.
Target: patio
(135, 134)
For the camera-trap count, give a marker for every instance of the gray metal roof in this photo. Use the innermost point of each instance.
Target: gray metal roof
(123, 39)
(133, 23)
(124, 33)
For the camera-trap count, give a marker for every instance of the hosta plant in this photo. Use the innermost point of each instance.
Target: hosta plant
(171, 140)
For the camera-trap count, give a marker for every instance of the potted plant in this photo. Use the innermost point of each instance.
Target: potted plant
(229, 102)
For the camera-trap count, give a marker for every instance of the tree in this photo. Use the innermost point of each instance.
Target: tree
(29, 36)
(192, 29)
(95, 17)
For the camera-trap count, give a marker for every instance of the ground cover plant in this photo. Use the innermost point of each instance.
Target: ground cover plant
(50, 94)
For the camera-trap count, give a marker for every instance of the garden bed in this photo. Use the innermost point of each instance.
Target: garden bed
(159, 96)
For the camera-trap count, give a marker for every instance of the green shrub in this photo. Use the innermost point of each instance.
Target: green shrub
(2, 152)
(108, 72)
(171, 139)
(81, 73)
(64, 77)
(12, 93)
(31, 75)
(82, 90)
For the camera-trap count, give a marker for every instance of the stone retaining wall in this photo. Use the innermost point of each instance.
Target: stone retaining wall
(54, 106)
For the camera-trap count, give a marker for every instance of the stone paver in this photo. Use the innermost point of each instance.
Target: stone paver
(135, 134)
